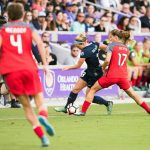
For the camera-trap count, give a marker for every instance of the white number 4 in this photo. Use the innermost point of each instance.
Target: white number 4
(17, 43)
(122, 58)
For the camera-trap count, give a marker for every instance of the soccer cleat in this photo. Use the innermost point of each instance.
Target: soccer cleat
(47, 125)
(61, 109)
(109, 107)
(15, 104)
(135, 88)
(45, 141)
(80, 113)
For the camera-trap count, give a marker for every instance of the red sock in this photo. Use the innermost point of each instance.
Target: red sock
(146, 107)
(145, 78)
(43, 113)
(85, 106)
(39, 131)
(138, 81)
(133, 82)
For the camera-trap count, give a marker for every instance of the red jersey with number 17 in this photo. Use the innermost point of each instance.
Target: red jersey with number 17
(118, 66)
(16, 51)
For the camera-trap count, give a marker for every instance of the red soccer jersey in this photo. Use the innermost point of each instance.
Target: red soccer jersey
(118, 66)
(16, 49)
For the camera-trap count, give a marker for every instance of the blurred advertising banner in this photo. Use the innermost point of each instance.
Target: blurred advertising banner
(58, 84)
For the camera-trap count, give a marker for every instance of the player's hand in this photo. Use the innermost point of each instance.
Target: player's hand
(45, 68)
(65, 68)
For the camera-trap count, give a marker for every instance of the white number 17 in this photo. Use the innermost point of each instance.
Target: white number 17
(122, 58)
(17, 43)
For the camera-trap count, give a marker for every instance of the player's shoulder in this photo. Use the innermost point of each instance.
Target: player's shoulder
(18, 24)
(112, 44)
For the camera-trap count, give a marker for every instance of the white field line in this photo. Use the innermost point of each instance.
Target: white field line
(56, 116)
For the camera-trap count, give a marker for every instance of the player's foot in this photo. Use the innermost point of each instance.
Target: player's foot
(135, 88)
(109, 107)
(47, 125)
(60, 109)
(143, 88)
(80, 113)
(15, 104)
(45, 141)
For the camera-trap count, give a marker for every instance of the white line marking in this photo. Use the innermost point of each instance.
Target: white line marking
(56, 116)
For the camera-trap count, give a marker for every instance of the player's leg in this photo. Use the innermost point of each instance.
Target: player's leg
(101, 83)
(145, 78)
(140, 72)
(73, 95)
(43, 113)
(77, 88)
(137, 99)
(101, 101)
(89, 99)
(14, 103)
(32, 118)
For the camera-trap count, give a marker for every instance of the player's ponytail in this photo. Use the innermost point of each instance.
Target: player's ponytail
(116, 32)
(125, 35)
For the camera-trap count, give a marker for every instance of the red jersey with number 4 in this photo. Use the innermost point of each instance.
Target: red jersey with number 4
(118, 66)
(16, 48)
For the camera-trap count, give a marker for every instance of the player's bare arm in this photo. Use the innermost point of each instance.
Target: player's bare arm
(76, 66)
(107, 61)
(0, 41)
(38, 41)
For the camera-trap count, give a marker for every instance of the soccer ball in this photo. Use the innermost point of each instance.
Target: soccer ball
(72, 108)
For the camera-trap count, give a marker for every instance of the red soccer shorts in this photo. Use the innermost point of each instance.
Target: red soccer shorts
(121, 82)
(23, 82)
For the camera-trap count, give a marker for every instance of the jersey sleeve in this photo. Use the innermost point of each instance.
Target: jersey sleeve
(83, 54)
(109, 48)
(32, 27)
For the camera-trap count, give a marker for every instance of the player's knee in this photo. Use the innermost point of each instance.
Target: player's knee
(76, 90)
(93, 89)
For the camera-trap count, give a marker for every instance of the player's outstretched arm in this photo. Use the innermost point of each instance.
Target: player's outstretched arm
(76, 66)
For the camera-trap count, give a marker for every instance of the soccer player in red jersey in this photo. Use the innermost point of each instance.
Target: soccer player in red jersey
(20, 71)
(116, 72)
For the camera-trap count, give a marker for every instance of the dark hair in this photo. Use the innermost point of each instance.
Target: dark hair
(2, 20)
(121, 34)
(112, 18)
(73, 46)
(146, 39)
(125, 35)
(15, 11)
(44, 33)
(47, 43)
(116, 32)
(121, 21)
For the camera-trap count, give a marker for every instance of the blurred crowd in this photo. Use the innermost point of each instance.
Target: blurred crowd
(79, 16)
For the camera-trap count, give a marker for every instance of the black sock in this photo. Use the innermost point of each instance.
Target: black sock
(100, 100)
(72, 97)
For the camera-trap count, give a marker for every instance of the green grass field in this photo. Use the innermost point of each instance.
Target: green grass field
(128, 128)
